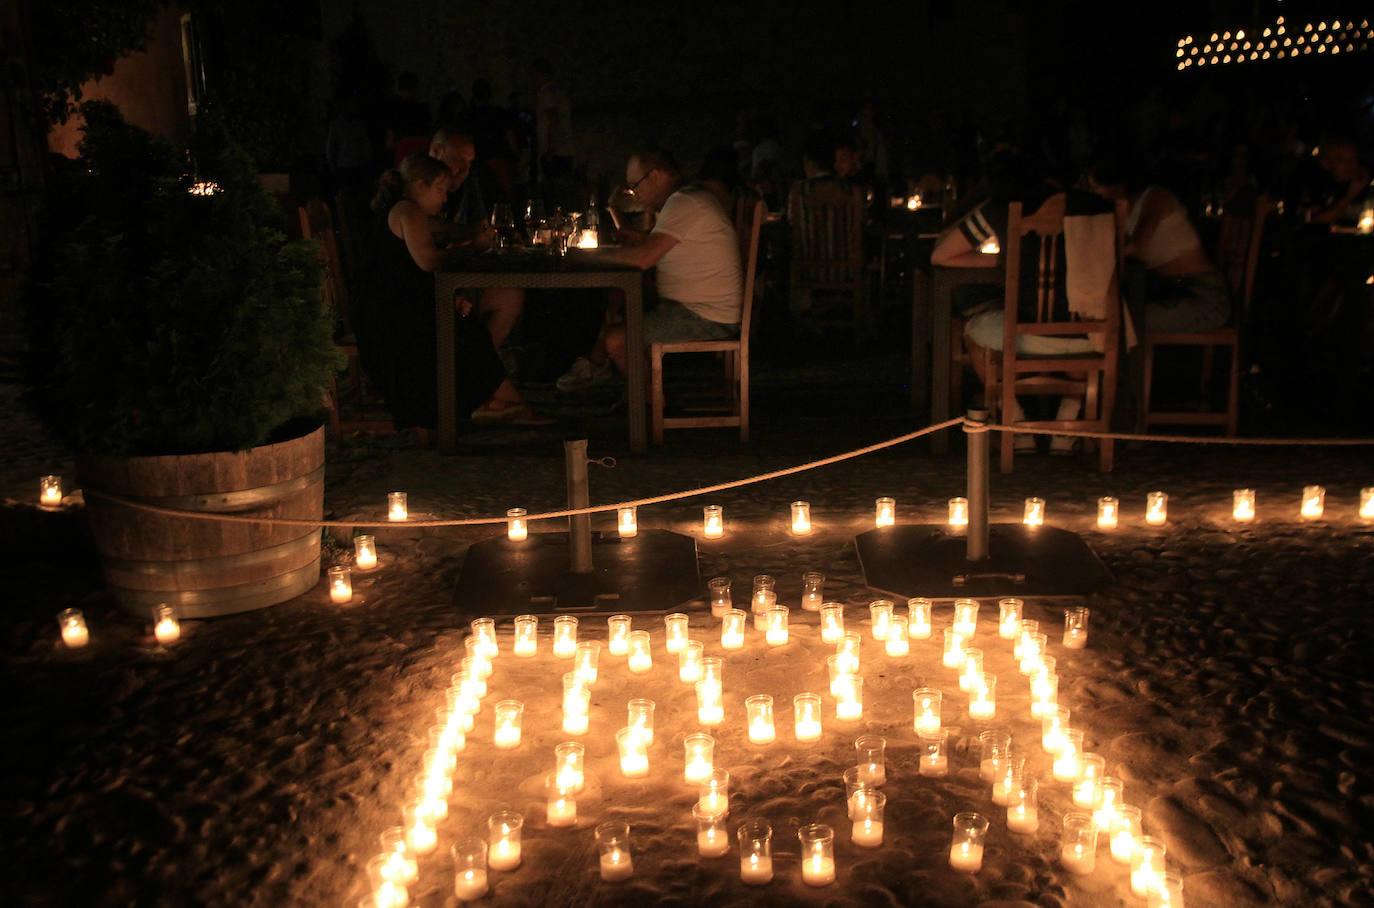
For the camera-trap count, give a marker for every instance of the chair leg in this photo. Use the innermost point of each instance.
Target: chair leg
(656, 402)
(1142, 420)
(1233, 394)
(1008, 380)
(743, 400)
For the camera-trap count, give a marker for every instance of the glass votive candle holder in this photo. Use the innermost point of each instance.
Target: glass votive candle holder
(926, 703)
(387, 891)
(576, 705)
(834, 667)
(1009, 775)
(867, 831)
(640, 718)
(919, 610)
(759, 711)
(340, 584)
(755, 852)
(1044, 694)
(1009, 613)
(713, 838)
(1169, 893)
(813, 590)
(1147, 870)
(166, 626)
(1033, 653)
(719, 590)
(1124, 838)
(469, 869)
(1052, 729)
(884, 512)
(732, 625)
(586, 659)
(966, 844)
(971, 669)
(934, 760)
(396, 506)
(634, 753)
(1109, 801)
(1066, 766)
(1313, 502)
(72, 624)
(958, 512)
(806, 717)
(618, 634)
(1034, 513)
(517, 524)
(954, 649)
(982, 697)
(714, 793)
(365, 553)
(526, 636)
(775, 626)
(1078, 843)
(880, 618)
(675, 637)
(400, 864)
(993, 745)
(847, 648)
(689, 661)
(870, 752)
(627, 522)
(484, 631)
(713, 521)
(1108, 512)
(855, 790)
(1023, 808)
(832, 622)
(570, 761)
(817, 854)
(1029, 628)
(560, 808)
(1087, 788)
(479, 654)
(896, 644)
(710, 703)
(699, 754)
(641, 657)
(1076, 627)
(1156, 508)
(763, 596)
(509, 714)
(1367, 503)
(849, 701)
(1243, 505)
(801, 517)
(419, 825)
(613, 845)
(713, 670)
(49, 491)
(565, 636)
(966, 618)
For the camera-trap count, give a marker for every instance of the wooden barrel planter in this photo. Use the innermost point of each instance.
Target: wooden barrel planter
(209, 568)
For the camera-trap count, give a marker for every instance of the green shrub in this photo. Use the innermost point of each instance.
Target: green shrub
(162, 321)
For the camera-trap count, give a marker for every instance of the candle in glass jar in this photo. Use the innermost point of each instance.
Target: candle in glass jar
(934, 761)
(1243, 505)
(1147, 871)
(419, 825)
(503, 840)
(698, 757)
(1008, 777)
(966, 845)
(710, 705)
(1087, 791)
(713, 521)
(847, 649)
(1034, 513)
(561, 808)
(1009, 618)
(1023, 809)
(867, 831)
(982, 704)
(641, 655)
(469, 869)
(1078, 844)
(1065, 766)
(1367, 503)
(627, 522)
(618, 635)
(340, 585)
(1169, 892)
(1112, 791)
(1053, 727)
(72, 624)
(166, 627)
(994, 745)
(400, 864)
(387, 890)
(832, 622)
(965, 622)
(1108, 510)
(569, 761)
(759, 709)
(813, 590)
(871, 757)
(616, 864)
(484, 632)
(508, 716)
(396, 506)
(884, 512)
(50, 491)
(806, 714)
(721, 601)
(1156, 508)
(755, 853)
(927, 702)
(526, 632)
(954, 649)
(676, 637)
(775, 633)
(517, 526)
(732, 629)
(585, 661)
(972, 668)
(958, 512)
(713, 841)
(714, 793)
(849, 701)
(640, 718)
(801, 517)
(634, 755)
(880, 618)
(1029, 628)
(1313, 502)
(919, 622)
(1032, 653)
(817, 854)
(365, 552)
(576, 705)
(1044, 694)
(565, 636)
(1076, 627)
(1125, 835)
(689, 661)
(896, 644)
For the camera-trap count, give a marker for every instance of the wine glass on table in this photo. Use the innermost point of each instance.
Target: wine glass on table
(503, 223)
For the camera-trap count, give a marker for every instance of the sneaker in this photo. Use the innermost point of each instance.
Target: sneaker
(584, 374)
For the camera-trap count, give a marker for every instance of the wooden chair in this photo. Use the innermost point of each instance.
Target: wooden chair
(826, 226)
(1091, 376)
(1238, 249)
(734, 351)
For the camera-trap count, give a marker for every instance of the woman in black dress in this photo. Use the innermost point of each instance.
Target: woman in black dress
(395, 317)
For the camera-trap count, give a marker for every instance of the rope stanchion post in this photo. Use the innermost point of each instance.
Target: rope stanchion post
(579, 497)
(975, 428)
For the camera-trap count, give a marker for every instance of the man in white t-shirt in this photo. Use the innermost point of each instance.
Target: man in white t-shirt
(695, 252)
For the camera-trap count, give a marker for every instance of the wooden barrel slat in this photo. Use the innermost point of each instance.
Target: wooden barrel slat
(210, 567)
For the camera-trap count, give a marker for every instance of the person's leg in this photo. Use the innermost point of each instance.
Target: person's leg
(501, 308)
(668, 321)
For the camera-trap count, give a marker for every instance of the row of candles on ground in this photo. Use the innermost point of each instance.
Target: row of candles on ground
(71, 623)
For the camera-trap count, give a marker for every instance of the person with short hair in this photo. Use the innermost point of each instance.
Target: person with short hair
(1349, 179)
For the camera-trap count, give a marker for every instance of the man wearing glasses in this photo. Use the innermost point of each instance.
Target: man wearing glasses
(695, 254)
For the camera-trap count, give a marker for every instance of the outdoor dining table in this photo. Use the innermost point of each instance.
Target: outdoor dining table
(535, 270)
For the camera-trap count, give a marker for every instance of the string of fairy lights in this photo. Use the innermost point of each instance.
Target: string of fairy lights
(1274, 42)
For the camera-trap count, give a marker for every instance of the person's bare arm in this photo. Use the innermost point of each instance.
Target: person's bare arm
(953, 250)
(419, 238)
(640, 255)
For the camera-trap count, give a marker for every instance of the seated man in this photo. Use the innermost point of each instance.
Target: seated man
(694, 249)
(463, 222)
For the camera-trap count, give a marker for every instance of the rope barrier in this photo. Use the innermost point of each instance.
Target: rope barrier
(1187, 439)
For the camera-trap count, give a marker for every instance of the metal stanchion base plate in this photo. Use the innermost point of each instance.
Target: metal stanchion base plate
(929, 560)
(656, 571)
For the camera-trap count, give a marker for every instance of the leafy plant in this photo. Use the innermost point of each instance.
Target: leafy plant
(163, 321)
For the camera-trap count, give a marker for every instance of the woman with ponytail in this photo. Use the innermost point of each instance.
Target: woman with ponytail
(395, 318)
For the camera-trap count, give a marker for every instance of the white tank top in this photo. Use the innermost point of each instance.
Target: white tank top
(1173, 237)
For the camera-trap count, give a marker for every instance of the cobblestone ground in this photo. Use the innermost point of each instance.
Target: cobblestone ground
(256, 762)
